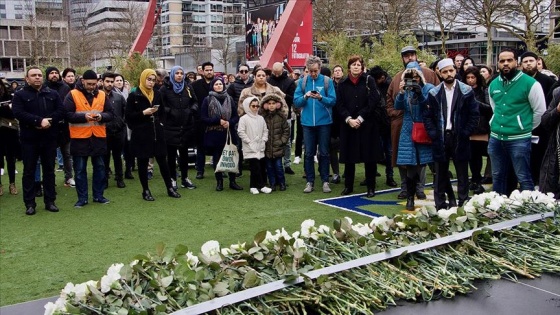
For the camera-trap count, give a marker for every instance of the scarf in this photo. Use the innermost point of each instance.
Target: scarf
(148, 93)
(177, 86)
(355, 79)
(219, 105)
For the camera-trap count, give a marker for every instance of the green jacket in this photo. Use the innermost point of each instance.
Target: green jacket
(518, 106)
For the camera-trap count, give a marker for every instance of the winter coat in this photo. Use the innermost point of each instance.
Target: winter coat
(30, 107)
(117, 127)
(286, 85)
(214, 135)
(549, 180)
(92, 146)
(315, 112)
(410, 153)
(353, 101)
(146, 138)
(178, 112)
(253, 91)
(485, 110)
(253, 132)
(278, 129)
(395, 115)
(234, 89)
(464, 119)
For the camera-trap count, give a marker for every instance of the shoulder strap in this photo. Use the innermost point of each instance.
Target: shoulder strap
(326, 85)
(303, 82)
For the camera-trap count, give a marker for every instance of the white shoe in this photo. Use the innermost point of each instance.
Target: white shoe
(1, 171)
(297, 160)
(266, 190)
(315, 159)
(254, 191)
(308, 187)
(70, 183)
(326, 187)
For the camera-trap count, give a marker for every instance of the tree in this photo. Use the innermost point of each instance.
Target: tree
(225, 47)
(551, 59)
(398, 15)
(83, 43)
(387, 51)
(444, 14)
(134, 67)
(485, 13)
(533, 13)
(119, 39)
(329, 17)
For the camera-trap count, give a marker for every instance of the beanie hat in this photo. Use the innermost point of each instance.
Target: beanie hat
(51, 69)
(89, 75)
(528, 54)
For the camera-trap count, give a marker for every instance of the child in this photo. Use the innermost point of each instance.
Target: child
(253, 133)
(279, 135)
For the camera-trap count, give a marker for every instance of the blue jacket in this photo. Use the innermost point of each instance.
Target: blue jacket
(410, 153)
(464, 117)
(315, 112)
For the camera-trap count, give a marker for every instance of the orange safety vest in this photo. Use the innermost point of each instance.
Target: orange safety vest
(87, 129)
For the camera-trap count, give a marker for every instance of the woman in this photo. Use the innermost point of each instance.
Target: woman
(413, 101)
(180, 108)
(9, 145)
(479, 138)
(146, 139)
(486, 73)
(357, 95)
(465, 64)
(219, 113)
(259, 89)
(549, 180)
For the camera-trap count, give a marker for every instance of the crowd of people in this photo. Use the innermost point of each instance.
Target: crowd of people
(453, 110)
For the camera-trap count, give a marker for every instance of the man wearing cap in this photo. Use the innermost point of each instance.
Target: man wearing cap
(88, 109)
(38, 109)
(518, 102)
(450, 119)
(529, 67)
(408, 54)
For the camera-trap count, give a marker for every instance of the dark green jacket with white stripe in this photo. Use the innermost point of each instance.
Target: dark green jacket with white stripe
(518, 106)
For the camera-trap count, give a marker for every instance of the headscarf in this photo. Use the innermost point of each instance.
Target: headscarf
(148, 93)
(219, 103)
(177, 87)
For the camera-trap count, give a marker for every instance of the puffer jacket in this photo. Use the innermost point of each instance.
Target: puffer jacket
(278, 128)
(253, 132)
(179, 114)
(234, 89)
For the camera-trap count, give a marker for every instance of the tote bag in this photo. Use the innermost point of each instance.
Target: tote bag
(419, 134)
(229, 161)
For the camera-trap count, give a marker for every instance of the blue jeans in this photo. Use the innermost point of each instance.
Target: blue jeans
(313, 136)
(275, 171)
(504, 154)
(80, 170)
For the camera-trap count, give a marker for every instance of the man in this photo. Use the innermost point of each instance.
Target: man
(450, 120)
(518, 103)
(458, 61)
(55, 82)
(408, 54)
(201, 89)
(280, 79)
(38, 109)
(116, 130)
(338, 74)
(88, 109)
(69, 77)
(316, 101)
(296, 74)
(529, 67)
(242, 80)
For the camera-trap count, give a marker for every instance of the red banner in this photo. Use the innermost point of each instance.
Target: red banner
(302, 46)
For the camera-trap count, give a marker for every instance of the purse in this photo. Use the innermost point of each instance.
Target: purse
(229, 161)
(419, 133)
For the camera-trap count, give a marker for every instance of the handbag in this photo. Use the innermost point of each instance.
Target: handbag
(229, 161)
(419, 133)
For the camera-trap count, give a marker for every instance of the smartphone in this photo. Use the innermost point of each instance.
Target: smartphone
(314, 92)
(156, 106)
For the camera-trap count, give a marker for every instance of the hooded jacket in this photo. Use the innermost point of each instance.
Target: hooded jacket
(178, 114)
(252, 131)
(315, 112)
(278, 128)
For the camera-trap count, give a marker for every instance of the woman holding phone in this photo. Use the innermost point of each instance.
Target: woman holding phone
(146, 139)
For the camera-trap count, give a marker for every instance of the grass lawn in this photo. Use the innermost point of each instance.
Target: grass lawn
(39, 254)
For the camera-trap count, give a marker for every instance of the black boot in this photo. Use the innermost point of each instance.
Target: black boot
(219, 185)
(120, 182)
(128, 173)
(411, 190)
(172, 193)
(233, 185)
(370, 192)
(147, 195)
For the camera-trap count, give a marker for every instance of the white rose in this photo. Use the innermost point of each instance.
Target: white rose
(401, 225)
(192, 260)
(299, 244)
(210, 248)
(323, 229)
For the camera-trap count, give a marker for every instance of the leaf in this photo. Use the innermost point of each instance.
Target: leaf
(165, 282)
(253, 250)
(160, 247)
(250, 280)
(181, 250)
(337, 224)
(221, 288)
(259, 256)
(259, 237)
(161, 308)
(162, 297)
(141, 258)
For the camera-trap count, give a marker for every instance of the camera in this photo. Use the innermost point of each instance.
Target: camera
(411, 84)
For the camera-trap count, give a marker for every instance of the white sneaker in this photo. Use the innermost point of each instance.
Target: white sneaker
(326, 188)
(266, 190)
(70, 183)
(315, 159)
(1, 172)
(254, 191)
(174, 184)
(297, 160)
(308, 187)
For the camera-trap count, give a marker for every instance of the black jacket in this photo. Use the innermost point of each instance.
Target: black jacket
(92, 146)
(30, 107)
(234, 89)
(550, 169)
(117, 127)
(287, 85)
(178, 114)
(147, 139)
(201, 89)
(485, 110)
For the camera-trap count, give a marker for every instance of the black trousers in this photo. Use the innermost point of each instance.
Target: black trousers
(479, 149)
(183, 161)
(115, 145)
(163, 169)
(299, 137)
(30, 154)
(350, 174)
(442, 182)
(256, 167)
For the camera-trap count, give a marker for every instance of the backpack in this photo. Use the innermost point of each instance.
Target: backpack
(325, 84)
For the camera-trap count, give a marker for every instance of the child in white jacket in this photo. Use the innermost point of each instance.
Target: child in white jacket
(253, 134)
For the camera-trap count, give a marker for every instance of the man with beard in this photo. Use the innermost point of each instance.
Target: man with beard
(408, 54)
(450, 119)
(201, 89)
(116, 130)
(529, 67)
(518, 103)
(88, 109)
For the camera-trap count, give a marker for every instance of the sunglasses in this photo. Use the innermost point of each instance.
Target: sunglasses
(243, 71)
(254, 106)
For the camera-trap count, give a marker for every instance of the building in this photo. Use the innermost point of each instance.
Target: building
(32, 32)
(555, 20)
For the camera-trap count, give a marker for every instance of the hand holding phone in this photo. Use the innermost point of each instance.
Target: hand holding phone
(314, 92)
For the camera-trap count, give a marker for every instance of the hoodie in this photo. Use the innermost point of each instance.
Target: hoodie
(252, 131)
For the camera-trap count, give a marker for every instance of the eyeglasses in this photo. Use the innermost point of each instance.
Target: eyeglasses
(243, 71)
(254, 106)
